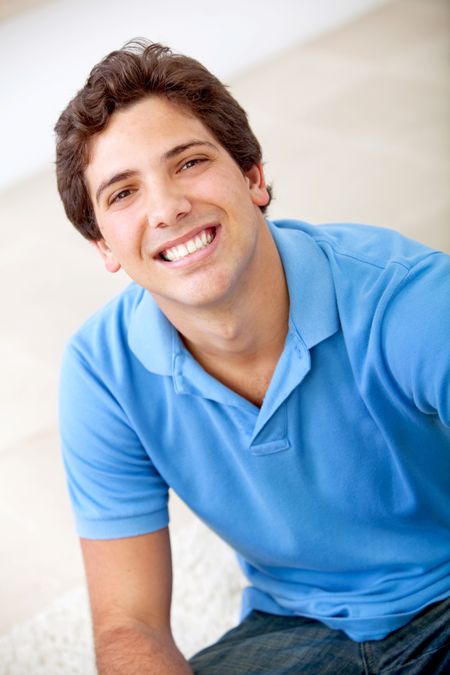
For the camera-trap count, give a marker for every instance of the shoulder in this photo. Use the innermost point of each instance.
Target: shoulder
(415, 334)
(372, 265)
(105, 332)
(374, 273)
(355, 244)
(366, 262)
(97, 363)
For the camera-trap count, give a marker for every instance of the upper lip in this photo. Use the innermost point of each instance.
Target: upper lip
(185, 237)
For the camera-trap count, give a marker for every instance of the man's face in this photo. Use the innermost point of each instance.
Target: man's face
(175, 210)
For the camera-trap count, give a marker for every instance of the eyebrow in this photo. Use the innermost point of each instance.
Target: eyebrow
(170, 154)
(116, 178)
(178, 149)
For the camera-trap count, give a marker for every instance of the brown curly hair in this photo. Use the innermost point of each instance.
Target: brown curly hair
(142, 68)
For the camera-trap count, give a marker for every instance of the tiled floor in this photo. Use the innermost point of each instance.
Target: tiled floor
(355, 126)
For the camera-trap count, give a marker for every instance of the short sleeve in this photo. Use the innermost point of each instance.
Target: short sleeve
(114, 488)
(416, 336)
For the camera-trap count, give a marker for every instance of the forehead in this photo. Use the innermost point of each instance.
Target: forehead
(153, 121)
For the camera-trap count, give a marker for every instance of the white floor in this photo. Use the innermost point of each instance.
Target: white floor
(356, 127)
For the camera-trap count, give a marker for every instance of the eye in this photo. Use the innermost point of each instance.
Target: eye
(192, 162)
(120, 196)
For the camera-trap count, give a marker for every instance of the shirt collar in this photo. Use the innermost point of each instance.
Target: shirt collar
(151, 337)
(313, 310)
(313, 313)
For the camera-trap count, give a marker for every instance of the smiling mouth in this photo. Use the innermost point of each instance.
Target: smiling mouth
(201, 240)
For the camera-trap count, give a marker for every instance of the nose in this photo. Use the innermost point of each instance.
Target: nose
(166, 204)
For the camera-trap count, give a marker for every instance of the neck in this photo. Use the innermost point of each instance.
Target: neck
(246, 331)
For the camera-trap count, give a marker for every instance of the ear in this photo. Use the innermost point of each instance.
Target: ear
(111, 263)
(257, 185)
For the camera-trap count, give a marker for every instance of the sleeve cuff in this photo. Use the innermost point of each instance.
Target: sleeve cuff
(123, 527)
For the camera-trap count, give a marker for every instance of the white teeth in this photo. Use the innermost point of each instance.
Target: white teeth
(169, 255)
(198, 242)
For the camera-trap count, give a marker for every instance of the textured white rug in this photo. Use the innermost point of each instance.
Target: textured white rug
(207, 586)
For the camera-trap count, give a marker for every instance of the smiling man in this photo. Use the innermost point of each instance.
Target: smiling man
(291, 383)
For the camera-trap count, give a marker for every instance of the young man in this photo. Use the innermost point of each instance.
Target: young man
(291, 383)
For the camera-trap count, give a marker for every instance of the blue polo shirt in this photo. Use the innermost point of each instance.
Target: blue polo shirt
(335, 494)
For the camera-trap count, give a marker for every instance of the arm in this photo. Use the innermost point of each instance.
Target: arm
(130, 582)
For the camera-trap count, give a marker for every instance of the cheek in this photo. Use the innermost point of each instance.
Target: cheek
(224, 188)
(124, 231)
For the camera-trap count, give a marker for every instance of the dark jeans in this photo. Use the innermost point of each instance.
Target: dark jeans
(277, 645)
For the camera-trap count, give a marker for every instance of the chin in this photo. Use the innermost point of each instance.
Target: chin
(209, 289)
(198, 299)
